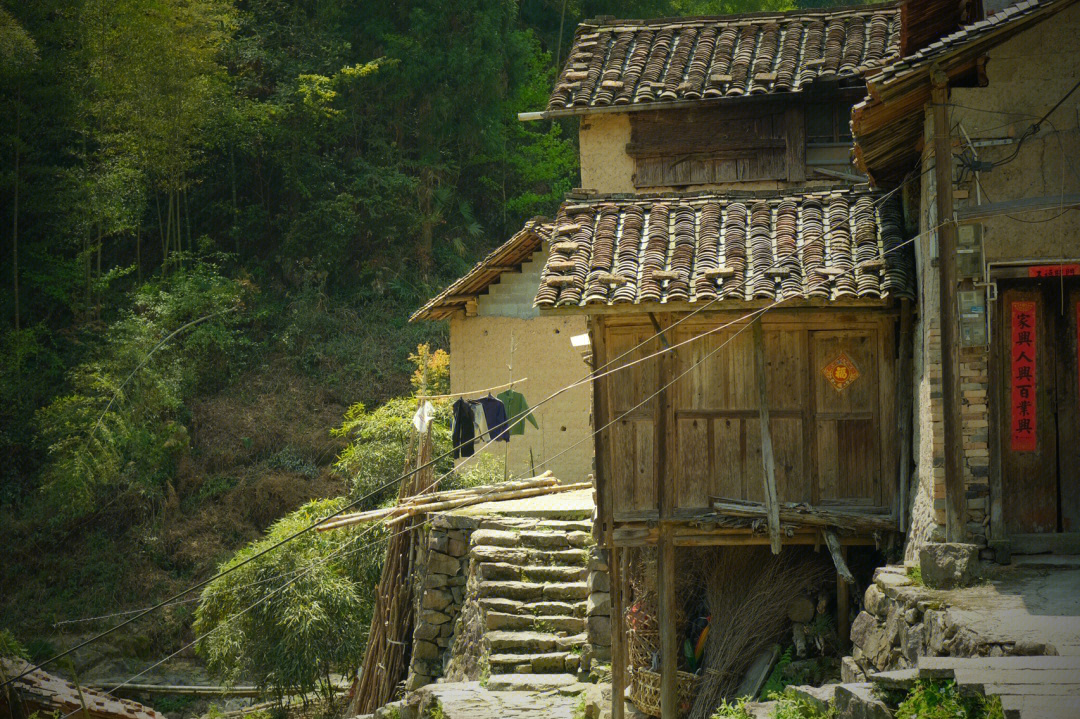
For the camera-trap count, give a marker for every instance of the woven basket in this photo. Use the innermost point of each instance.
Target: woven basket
(642, 644)
(645, 690)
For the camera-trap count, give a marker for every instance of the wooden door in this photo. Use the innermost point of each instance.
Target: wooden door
(846, 406)
(1039, 439)
(1068, 408)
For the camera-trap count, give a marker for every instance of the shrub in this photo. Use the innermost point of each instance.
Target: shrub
(942, 700)
(292, 617)
(120, 427)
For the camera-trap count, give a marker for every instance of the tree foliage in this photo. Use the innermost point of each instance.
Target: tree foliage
(290, 618)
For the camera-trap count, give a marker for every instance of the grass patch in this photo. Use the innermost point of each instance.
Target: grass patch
(914, 573)
(943, 700)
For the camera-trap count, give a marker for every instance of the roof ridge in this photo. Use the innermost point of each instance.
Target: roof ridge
(607, 22)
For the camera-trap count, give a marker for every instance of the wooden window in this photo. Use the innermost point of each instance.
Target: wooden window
(828, 123)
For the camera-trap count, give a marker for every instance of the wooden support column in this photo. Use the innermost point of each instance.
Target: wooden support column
(772, 503)
(950, 370)
(618, 629)
(904, 401)
(601, 478)
(666, 472)
(843, 607)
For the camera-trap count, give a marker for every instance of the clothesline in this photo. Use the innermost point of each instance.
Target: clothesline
(475, 391)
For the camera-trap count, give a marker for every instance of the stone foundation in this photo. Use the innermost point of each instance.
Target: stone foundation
(902, 621)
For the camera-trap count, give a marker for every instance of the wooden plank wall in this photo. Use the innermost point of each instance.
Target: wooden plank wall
(830, 447)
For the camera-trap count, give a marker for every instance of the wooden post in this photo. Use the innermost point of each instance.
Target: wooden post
(604, 506)
(843, 607)
(618, 646)
(904, 402)
(772, 503)
(669, 651)
(666, 469)
(950, 372)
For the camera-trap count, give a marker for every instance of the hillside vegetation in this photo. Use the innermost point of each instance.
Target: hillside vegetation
(215, 219)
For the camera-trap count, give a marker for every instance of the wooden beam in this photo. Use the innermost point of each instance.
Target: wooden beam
(801, 514)
(618, 646)
(667, 463)
(604, 505)
(978, 213)
(669, 651)
(838, 556)
(795, 137)
(904, 402)
(772, 504)
(843, 604)
(955, 530)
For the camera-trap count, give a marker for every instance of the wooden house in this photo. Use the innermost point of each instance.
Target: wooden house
(496, 335)
(998, 447)
(723, 227)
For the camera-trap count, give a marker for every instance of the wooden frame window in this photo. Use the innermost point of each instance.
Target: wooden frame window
(828, 123)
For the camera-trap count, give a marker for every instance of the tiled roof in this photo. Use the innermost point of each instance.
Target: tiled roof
(826, 245)
(55, 694)
(630, 62)
(888, 123)
(968, 33)
(508, 256)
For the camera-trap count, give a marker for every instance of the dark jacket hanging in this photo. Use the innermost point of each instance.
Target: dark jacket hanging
(495, 414)
(463, 435)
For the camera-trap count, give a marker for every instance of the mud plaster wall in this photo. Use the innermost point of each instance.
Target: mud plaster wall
(479, 355)
(1025, 80)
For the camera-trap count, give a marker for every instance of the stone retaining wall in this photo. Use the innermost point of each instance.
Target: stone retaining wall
(598, 621)
(902, 621)
(441, 575)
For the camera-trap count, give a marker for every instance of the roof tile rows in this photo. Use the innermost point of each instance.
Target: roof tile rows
(630, 62)
(828, 245)
(60, 695)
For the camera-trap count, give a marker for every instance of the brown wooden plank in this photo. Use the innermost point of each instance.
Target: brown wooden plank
(645, 476)
(669, 656)
(858, 470)
(795, 135)
(828, 460)
(624, 465)
(604, 440)
(792, 483)
(618, 629)
(727, 458)
(693, 464)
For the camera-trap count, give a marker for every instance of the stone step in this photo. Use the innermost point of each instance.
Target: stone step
(565, 591)
(522, 591)
(521, 642)
(504, 571)
(556, 624)
(527, 557)
(530, 683)
(545, 663)
(530, 538)
(569, 609)
(512, 524)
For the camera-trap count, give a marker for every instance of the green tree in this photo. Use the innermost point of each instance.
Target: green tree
(291, 618)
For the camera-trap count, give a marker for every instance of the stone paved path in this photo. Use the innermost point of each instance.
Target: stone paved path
(470, 700)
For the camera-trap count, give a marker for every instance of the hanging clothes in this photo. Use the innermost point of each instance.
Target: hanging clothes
(495, 415)
(463, 434)
(516, 406)
(479, 420)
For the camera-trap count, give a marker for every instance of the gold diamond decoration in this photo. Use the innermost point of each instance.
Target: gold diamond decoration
(841, 372)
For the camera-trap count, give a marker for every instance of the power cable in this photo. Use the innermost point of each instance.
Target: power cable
(746, 318)
(508, 425)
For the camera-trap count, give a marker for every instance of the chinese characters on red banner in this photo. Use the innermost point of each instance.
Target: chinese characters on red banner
(1023, 377)
(1054, 271)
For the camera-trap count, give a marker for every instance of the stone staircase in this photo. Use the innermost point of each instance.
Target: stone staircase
(532, 589)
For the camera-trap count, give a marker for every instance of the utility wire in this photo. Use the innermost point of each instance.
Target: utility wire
(520, 418)
(746, 318)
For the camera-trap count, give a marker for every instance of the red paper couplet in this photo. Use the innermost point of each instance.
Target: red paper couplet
(1054, 270)
(1024, 322)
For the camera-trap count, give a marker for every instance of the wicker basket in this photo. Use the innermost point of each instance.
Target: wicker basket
(645, 690)
(642, 644)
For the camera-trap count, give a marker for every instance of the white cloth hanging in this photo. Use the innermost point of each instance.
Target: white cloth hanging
(424, 414)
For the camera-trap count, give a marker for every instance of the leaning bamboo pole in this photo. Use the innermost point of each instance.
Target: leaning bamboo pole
(390, 638)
